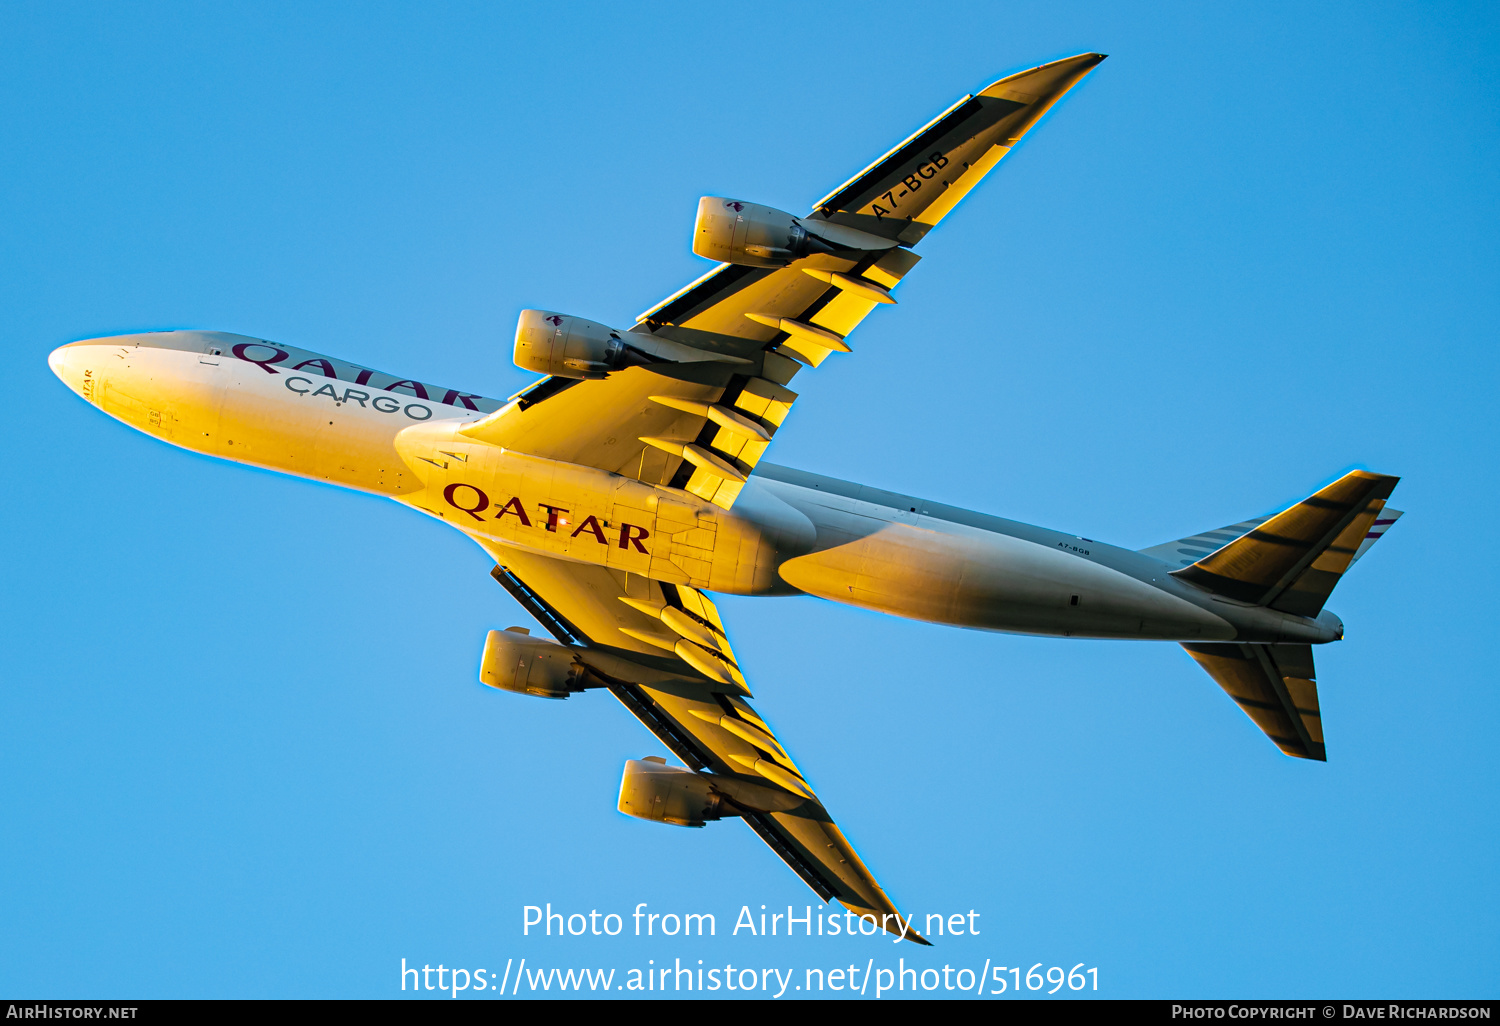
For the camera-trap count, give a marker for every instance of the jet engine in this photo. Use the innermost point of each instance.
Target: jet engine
(653, 790)
(570, 347)
(737, 232)
(515, 661)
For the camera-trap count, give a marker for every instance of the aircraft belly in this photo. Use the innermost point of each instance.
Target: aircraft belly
(586, 515)
(972, 578)
(299, 424)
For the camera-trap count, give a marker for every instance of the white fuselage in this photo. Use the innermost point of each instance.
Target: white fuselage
(301, 413)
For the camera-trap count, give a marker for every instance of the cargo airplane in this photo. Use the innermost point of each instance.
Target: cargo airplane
(620, 490)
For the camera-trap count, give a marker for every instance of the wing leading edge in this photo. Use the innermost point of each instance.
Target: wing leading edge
(633, 633)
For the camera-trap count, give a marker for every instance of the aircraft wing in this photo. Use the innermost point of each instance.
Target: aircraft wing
(703, 425)
(663, 652)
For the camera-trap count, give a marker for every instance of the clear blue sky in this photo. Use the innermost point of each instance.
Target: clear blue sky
(245, 751)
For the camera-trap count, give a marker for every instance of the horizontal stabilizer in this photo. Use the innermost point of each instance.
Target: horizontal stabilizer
(1276, 686)
(1187, 551)
(1292, 561)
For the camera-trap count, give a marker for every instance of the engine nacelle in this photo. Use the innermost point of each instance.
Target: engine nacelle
(653, 790)
(514, 661)
(569, 347)
(747, 233)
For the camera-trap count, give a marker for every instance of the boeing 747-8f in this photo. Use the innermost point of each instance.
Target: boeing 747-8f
(624, 487)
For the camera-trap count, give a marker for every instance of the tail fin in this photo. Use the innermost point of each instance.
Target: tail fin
(1276, 686)
(1292, 561)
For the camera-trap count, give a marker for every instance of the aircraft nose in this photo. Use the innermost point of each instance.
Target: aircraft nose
(61, 362)
(76, 365)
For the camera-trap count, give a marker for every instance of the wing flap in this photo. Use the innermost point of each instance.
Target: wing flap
(830, 309)
(616, 412)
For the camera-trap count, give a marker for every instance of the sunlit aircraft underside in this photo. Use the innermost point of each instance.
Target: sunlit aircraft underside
(626, 485)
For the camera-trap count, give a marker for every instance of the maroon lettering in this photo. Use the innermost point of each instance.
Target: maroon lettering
(363, 377)
(514, 506)
(552, 512)
(417, 388)
(322, 365)
(591, 525)
(627, 540)
(239, 349)
(473, 511)
(462, 397)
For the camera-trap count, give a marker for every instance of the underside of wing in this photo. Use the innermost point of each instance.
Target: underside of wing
(784, 302)
(914, 186)
(661, 650)
(701, 426)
